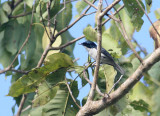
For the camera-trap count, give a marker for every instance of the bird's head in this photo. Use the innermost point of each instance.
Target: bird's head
(89, 44)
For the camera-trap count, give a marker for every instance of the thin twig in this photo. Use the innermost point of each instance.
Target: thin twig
(55, 22)
(88, 2)
(70, 92)
(115, 84)
(21, 104)
(19, 71)
(140, 47)
(109, 7)
(26, 108)
(97, 88)
(21, 15)
(49, 24)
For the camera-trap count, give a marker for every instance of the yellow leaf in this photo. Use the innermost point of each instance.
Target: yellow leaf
(46, 40)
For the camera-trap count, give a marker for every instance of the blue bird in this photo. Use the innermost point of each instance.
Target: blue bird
(106, 58)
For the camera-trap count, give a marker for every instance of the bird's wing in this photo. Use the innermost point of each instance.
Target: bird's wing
(103, 51)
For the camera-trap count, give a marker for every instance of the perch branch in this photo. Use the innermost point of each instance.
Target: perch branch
(99, 39)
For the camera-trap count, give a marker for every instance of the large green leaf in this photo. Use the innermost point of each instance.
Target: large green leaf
(64, 17)
(6, 7)
(140, 105)
(135, 12)
(62, 104)
(20, 9)
(12, 36)
(48, 89)
(111, 45)
(90, 33)
(28, 83)
(54, 8)
(109, 75)
(140, 93)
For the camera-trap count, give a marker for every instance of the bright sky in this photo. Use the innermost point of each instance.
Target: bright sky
(142, 37)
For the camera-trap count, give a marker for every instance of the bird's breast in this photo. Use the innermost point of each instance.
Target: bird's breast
(92, 52)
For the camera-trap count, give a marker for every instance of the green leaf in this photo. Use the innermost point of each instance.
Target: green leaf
(3, 17)
(129, 111)
(140, 105)
(44, 94)
(29, 2)
(135, 64)
(28, 83)
(140, 92)
(108, 72)
(80, 6)
(156, 102)
(20, 9)
(55, 7)
(90, 33)
(61, 104)
(48, 89)
(12, 37)
(64, 18)
(6, 8)
(135, 12)
(154, 71)
(148, 4)
(157, 13)
(111, 45)
(55, 107)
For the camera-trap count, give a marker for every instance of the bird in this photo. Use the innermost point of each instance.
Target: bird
(106, 58)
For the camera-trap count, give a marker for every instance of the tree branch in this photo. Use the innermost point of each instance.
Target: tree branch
(99, 40)
(109, 7)
(93, 107)
(90, 4)
(21, 104)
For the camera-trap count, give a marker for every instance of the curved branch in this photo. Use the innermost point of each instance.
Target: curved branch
(93, 107)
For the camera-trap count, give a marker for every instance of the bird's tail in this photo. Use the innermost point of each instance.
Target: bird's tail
(119, 69)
